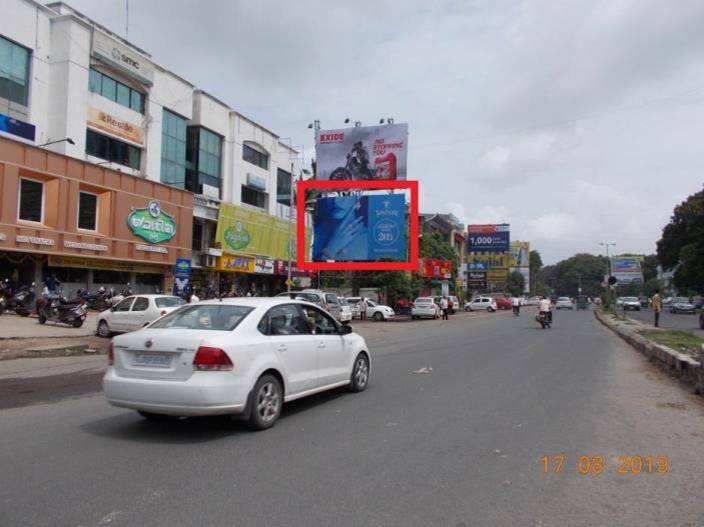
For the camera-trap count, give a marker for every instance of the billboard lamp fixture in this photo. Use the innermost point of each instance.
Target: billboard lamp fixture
(357, 124)
(347, 120)
(67, 139)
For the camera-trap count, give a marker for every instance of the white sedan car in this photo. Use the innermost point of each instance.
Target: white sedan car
(243, 356)
(135, 312)
(424, 306)
(376, 311)
(481, 303)
(564, 302)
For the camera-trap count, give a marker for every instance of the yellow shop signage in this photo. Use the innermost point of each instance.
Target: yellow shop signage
(236, 264)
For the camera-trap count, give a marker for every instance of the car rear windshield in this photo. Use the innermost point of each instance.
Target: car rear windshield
(212, 317)
(169, 301)
(630, 299)
(423, 301)
(308, 297)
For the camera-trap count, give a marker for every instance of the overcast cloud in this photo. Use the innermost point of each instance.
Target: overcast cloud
(576, 122)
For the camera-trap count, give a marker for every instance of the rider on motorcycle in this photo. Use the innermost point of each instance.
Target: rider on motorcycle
(544, 307)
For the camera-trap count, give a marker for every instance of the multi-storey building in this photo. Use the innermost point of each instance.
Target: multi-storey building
(78, 90)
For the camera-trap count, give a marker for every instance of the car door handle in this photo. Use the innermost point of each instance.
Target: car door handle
(281, 347)
(321, 344)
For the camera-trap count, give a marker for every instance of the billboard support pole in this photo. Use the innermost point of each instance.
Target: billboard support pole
(290, 220)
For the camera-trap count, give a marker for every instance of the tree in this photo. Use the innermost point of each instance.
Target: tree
(515, 283)
(536, 263)
(681, 246)
(565, 277)
(651, 287)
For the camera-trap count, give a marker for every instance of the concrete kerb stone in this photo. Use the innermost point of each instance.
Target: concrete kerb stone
(683, 366)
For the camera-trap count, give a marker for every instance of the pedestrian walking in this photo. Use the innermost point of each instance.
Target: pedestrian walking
(444, 306)
(363, 309)
(516, 304)
(193, 298)
(657, 307)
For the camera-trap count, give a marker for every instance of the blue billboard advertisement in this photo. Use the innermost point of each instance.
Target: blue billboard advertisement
(493, 238)
(360, 228)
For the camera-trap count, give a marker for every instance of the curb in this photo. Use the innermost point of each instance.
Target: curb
(682, 366)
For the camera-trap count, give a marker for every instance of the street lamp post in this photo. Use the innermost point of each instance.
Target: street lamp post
(606, 245)
(67, 139)
(291, 204)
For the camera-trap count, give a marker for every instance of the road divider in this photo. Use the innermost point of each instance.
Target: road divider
(687, 368)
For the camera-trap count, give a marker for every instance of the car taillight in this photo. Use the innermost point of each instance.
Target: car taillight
(111, 355)
(211, 359)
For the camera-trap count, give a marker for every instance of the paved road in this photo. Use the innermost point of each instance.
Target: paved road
(461, 446)
(670, 321)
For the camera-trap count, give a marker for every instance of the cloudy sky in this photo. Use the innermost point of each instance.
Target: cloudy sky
(575, 122)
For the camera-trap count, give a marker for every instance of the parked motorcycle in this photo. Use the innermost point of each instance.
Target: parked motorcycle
(99, 301)
(26, 300)
(544, 320)
(7, 296)
(116, 299)
(57, 308)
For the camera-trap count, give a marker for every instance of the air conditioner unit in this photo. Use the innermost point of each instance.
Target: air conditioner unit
(208, 260)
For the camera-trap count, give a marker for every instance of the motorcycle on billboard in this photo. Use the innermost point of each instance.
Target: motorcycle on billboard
(362, 153)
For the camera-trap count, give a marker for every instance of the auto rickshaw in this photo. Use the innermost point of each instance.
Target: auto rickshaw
(582, 302)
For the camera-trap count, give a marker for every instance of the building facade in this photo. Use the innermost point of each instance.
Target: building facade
(88, 225)
(95, 97)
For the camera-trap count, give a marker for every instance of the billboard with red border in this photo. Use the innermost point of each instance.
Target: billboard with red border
(341, 186)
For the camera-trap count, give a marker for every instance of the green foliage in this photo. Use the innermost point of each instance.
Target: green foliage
(515, 283)
(564, 277)
(536, 263)
(682, 244)
(651, 287)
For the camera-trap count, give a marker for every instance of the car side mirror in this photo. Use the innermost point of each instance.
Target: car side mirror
(112, 308)
(345, 329)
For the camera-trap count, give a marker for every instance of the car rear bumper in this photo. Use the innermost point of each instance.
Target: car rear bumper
(204, 393)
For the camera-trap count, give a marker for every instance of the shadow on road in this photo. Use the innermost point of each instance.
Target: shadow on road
(129, 426)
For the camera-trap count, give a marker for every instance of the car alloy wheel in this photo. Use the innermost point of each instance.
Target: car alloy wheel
(103, 329)
(360, 373)
(378, 316)
(268, 399)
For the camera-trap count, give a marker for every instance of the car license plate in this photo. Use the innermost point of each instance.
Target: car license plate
(153, 360)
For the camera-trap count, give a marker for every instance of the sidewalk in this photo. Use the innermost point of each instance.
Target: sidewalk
(42, 367)
(16, 327)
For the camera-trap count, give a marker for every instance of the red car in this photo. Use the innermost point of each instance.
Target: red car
(503, 303)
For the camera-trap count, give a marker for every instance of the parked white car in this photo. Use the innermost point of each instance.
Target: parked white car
(481, 303)
(135, 312)
(241, 356)
(328, 301)
(424, 306)
(376, 311)
(345, 310)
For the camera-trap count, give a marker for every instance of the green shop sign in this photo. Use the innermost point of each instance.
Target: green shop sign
(237, 237)
(152, 223)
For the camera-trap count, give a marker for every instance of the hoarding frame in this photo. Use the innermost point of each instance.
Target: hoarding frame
(332, 186)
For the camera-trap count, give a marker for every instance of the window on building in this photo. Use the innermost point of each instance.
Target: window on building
(31, 200)
(115, 91)
(255, 197)
(173, 150)
(204, 155)
(14, 72)
(197, 244)
(283, 187)
(254, 156)
(87, 211)
(112, 150)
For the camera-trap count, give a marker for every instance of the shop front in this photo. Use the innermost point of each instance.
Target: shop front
(252, 243)
(86, 224)
(243, 274)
